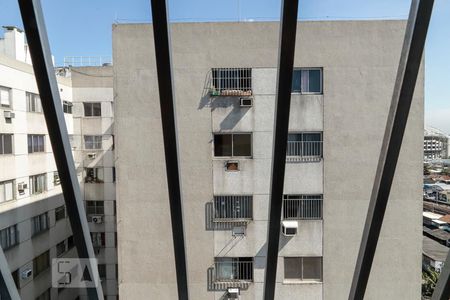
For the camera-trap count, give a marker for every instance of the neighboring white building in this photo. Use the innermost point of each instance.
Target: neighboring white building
(435, 144)
(34, 227)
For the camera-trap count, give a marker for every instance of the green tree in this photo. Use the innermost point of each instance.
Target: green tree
(429, 280)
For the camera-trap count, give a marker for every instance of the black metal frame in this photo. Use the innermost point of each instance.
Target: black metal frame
(286, 51)
(34, 25)
(410, 60)
(161, 38)
(8, 289)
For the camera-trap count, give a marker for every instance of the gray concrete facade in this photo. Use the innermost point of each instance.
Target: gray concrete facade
(359, 61)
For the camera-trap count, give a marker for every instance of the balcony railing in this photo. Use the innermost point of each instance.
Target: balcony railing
(231, 82)
(233, 270)
(304, 151)
(233, 208)
(302, 207)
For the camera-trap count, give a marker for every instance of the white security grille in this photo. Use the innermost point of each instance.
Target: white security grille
(231, 82)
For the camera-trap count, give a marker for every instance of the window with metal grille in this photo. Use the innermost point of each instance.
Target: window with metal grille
(94, 175)
(38, 184)
(41, 263)
(304, 146)
(67, 107)
(95, 207)
(9, 237)
(60, 248)
(92, 109)
(5, 96)
(6, 143)
(307, 81)
(231, 82)
(233, 268)
(232, 207)
(303, 268)
(33, 103)
(60, 213)
(39, 224)
(98, 239)
(6, 191)
(92, 142)
(302, 207)
(36, 143)
(235, 144)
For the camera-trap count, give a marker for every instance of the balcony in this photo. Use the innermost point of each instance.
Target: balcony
(231, 272)
(302, 207)
(230, 82)
(304, 151)
(233, 209)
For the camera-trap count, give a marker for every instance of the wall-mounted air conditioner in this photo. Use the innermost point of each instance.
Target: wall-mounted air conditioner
(26, 273)
(91, 155)
(233, 293)
(238, 231)
(97, 219)
(22, 186)
(232, 165)
(289, 228)
(246, 102)
(8, 114)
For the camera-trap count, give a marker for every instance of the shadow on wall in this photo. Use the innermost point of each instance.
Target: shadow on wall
(214, 285)
(261, 263)
(210, 225)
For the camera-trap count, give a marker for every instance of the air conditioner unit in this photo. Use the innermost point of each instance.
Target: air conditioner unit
(22, 186)
(246, 102)
(233, 293)
(91, 155)
(8, 114)
(232, 166)
(238, 231)
(97, 219)
(289, 228)
(26, 273)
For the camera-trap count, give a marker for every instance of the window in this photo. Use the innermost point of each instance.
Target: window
(41, 263)
(303, 268)
(39, 224)
(60, 213)
(98, 239)
(56, 179)
(95, 207)
(9, 237)
(92, 109)
(36, 143)
(15, 276)
(67, 107)
(233, 207)
(231, 82)
(102, 271)
(70, 243)
(307, 81)
(6, 191)
(5, 97)
(305, 145)
(38, 184)
(60, 248)
(6, 143)
(302, 207)
(33, 103)
(93, 142)
(94, 175)
(234, 268)
(237, 144)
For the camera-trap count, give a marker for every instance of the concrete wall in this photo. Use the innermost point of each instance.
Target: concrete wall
(359, 61)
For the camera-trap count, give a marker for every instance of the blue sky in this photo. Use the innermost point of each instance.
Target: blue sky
(83, 28)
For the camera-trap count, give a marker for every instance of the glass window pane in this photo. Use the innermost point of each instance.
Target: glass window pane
(9, 191)
(2, 137)
(314, 81)
(4, 97)
(222, 145)
(296, 81)
(2, 192)
(312, 267)
(30, 144)
(7, 144)
(97, 109)
(292, 268)
(242, 145)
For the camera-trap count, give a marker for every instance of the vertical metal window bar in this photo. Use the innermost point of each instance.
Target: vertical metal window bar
(408, 70)
(33, 21)
(8, 289)
(167, 103)
(288, 29)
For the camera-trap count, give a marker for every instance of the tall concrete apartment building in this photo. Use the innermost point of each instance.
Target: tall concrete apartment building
(34, 227)
(225, 84)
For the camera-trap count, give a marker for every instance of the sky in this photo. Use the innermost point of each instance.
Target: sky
(83, 28)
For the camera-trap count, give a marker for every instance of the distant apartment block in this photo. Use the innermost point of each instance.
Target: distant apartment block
(435, 144)
(225, 86)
